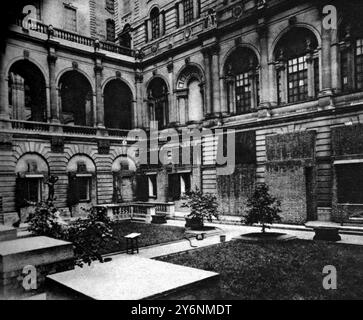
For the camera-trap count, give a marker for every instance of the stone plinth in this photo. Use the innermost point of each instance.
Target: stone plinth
(7, 233)
(47, 255)
(133, 278)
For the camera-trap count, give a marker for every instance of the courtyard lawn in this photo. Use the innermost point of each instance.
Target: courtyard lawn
(150, 234)
(289, 270)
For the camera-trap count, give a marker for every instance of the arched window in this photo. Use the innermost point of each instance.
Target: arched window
(155, 23)
(158, 102)
(190, 96)
(118, 105)
(297, 66)
(76, 99)
(242, 81)
(27, 92)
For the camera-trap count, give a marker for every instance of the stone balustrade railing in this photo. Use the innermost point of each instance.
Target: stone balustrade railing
(142, 211)
(39, 127)
(37, 26)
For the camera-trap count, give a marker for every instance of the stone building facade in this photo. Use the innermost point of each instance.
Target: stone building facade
(286, 76)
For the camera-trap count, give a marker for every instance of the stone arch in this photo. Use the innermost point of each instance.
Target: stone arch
(32, 162)
(32, 147)
(158, 100)
(74, 149)
(90, 165)
(85, 74)
(76, 99)
(27, 92)
(122, 79)
(12, 61)
(247, 46)
(190, 95)
(189, 71)
(118, 105)
(285, 31)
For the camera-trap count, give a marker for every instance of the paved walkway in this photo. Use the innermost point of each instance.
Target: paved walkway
(231, 231)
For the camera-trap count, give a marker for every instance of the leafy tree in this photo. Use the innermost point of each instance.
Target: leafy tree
(89, 236)
(203, 206)
(263, 209)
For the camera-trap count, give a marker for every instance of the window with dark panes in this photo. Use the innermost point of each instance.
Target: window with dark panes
(243, 93)
(350, 183)
(84, 188)
(359, 63)
(155, 23)
(188, 11)
(110, 34)
(297, 79)
(110, 5)
(242, 67)
(32, 189)
(70, 18)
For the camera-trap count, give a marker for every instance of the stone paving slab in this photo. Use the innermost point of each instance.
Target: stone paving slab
(127, 278)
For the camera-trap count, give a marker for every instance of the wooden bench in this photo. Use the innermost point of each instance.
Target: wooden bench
(132, 243)
(325, 231)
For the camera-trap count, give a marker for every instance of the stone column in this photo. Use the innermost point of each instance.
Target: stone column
(208, 82)
(252, 78)
(231, 98)
(215, 81)
(335, 63)
(54, 111)
(224, 106)
(326, 63)
(172, 100)
(4, 101)
(139, 119)
(265, 94)
(99, 97)
(310, 66)
(280, 67)
(196, 12)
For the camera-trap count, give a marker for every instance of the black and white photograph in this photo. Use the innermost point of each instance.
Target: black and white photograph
(199, 152)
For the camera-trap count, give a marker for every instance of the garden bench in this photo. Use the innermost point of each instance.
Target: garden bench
(326, 231)
(132, 242)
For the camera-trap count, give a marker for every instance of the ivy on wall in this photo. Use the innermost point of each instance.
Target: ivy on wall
(347, 140)
(291, 146)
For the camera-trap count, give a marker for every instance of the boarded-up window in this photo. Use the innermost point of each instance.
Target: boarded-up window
(350, 183)
(70, 18)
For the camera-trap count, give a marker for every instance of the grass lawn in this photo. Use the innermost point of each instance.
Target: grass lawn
(286, 270)
(150, 234)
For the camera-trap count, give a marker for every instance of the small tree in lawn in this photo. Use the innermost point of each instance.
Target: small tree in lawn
(263, 208)
(203, 206)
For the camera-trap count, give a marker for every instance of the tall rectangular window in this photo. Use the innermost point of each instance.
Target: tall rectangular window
(152, 184)
(188, 11)
(359, 63)
(84, 188)
(33, 190)
(70, 18)
(243, 93)
(297, 79)
(155, 24)
(110, 30)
